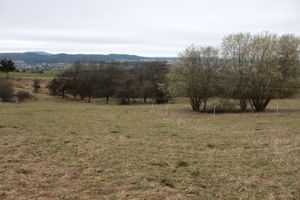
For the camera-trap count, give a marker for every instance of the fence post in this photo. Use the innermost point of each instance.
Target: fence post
(166, 108)
(214, 110)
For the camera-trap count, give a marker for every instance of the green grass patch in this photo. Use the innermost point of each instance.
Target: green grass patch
(44, 75)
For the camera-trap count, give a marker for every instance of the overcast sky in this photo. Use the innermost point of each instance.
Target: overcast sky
(142, 27)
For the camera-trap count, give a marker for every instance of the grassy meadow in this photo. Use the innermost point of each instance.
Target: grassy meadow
(58, 149)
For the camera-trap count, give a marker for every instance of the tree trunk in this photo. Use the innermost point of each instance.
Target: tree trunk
(260, 104)
(145, 100)
(252, 106)
(195, 103)
(106, 100)
(204, 105)
(243, 105)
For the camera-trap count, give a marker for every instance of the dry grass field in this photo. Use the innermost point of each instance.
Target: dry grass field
(57, 149)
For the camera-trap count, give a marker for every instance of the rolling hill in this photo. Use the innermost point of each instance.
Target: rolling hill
(40, 57)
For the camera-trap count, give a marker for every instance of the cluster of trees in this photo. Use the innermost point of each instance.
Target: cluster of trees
(7, 66)
(251, 68)
(112, 79)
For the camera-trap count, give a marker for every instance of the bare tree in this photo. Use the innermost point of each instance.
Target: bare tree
(236, 51)
(260, 67)
(195, 75)
(149, 77)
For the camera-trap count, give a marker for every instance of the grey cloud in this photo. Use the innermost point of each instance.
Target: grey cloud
(155, 28)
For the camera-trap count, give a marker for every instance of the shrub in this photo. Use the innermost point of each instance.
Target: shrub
(6, 90)
(22, 95)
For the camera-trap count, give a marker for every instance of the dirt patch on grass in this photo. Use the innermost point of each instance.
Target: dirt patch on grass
(26, 83)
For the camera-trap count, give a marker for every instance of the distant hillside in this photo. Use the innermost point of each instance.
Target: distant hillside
(40, 57)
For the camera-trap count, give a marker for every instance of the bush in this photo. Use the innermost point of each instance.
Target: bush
(6, 90)
(22, 95)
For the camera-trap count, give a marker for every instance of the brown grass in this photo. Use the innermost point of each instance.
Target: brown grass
(55, 149)
(27, 84)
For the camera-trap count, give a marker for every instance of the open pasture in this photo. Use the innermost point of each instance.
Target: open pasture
(57, 149)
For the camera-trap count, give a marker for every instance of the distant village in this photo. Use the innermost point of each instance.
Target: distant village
(37, 67)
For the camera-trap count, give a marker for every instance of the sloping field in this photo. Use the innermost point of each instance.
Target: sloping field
(27, 84)
(55, 149)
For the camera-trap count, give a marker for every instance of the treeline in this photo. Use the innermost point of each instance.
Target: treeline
(250, 68)
(86, 80)
(253, 69)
